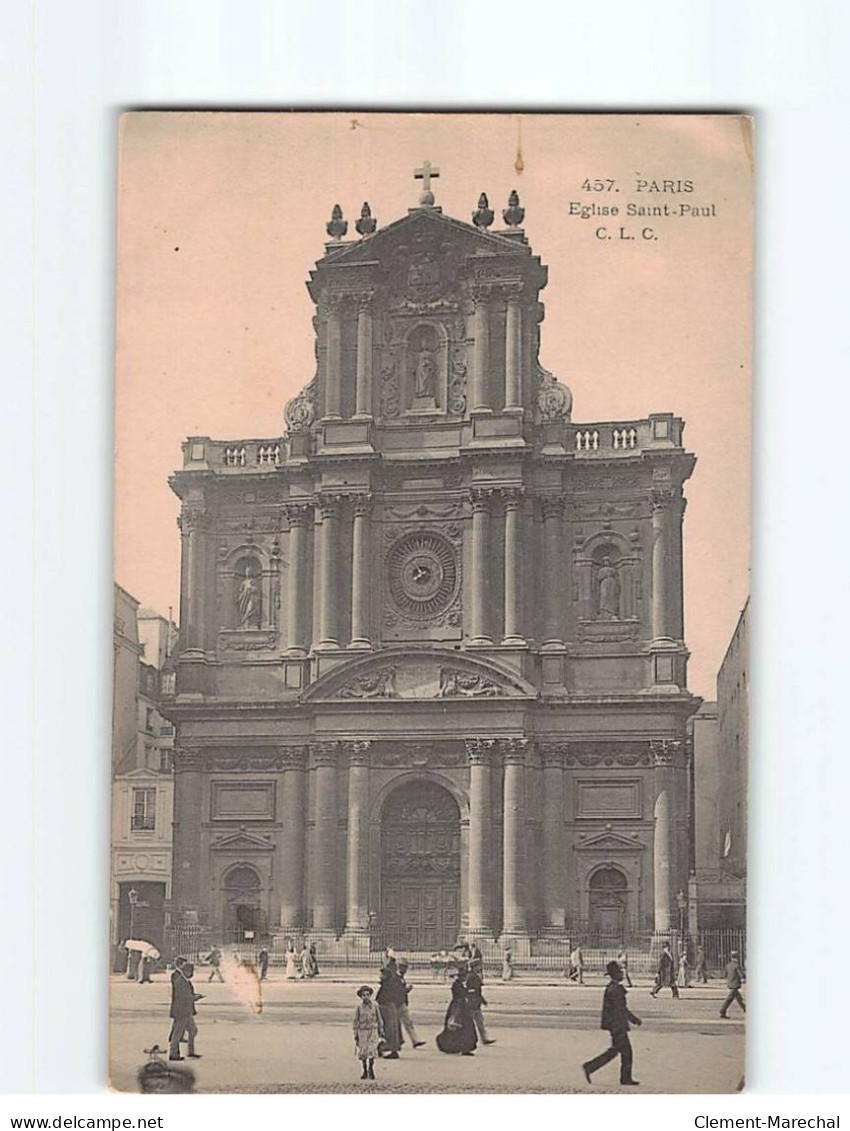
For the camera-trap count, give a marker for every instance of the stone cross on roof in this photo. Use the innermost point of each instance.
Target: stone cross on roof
(426, 198)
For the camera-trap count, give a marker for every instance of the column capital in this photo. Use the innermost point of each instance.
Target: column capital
(513, 750)
(552, 506)
(553, 754)
(481, 293)
(481, 497)
(332, 302)
(188, 758)
(294, 757)
(661, 499)
(364, 300)
(296, 514)
(665, 751)
(358, 752)
(362, 504)
(329, 505)
(193, 516)
(512, 291)
(480, 751)
(512, 496)
(324, 753)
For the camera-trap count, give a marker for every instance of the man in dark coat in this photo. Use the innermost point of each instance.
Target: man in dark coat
(734, 981)
(666, 975)
(183, 998)
(615, 1018)
(263, 963)
(391, 995)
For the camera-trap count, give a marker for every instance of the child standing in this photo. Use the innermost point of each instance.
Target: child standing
(368, 1028)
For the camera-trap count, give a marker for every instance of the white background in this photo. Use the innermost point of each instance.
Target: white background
(67, 68)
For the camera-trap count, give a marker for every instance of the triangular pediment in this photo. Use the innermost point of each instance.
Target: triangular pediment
(420, 674)
(608, 838)
(243, 841)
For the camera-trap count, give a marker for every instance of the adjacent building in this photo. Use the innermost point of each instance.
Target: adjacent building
(432, 674)
(142, 782)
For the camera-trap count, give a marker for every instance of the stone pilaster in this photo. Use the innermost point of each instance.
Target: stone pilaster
(363, 389)
(554, 862)
(481, 350)
(186, 831)
(514, 920)
(328, 559)
(480, 753)
(552, 507)
(333, 357)
(293, 832)
(357, 909)
(513, 349)
(513, 559)
(662, 501)
(361, 574)
(192, 523)
(663, 754)
(481, 500)
(324, 757)
(297, 515)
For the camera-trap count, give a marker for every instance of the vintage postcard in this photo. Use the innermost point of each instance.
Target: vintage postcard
(432, 563)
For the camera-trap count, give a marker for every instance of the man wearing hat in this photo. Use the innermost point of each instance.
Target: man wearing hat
(615, 1018)
(405, 1020)
(734, 981)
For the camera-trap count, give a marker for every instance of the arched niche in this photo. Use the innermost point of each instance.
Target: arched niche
(425, 364)
(247, 582)
(607, 568)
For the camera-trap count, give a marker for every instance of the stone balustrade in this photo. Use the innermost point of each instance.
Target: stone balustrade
(624, 438)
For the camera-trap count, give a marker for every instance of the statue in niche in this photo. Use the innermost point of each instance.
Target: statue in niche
(248, 601)
(608, 591)
(425, 376)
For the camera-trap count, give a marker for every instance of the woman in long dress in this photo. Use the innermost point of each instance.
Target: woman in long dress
(291, 968)
(314, 962)
(458, 1033)
(391, 995)
(368, 1028)
(507, 964)
(305, 962)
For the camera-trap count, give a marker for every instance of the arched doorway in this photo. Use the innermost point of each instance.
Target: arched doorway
(609, 899)
(420, 868)
(243, 917)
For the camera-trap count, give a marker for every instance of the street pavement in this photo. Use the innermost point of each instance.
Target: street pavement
(296, 1037)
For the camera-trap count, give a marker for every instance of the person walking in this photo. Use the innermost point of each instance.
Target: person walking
(405, 1020)
(576, 965)
(263, 963)
(145, 969)
(214, 959)
(314, 962)
(700, 972)
(475, 998)
(616, 1018)
(368, 1028)
(684, 975)
(734, 981)
(291, 961)
(183, 999)
(507, 964)
(304, 960)
(623, 962)
(390, 996)
(458, 1034)
(666, 974)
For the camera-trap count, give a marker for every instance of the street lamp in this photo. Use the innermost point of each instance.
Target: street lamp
(133, 898)
(681, 903)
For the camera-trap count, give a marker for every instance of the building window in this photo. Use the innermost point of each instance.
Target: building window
(144, 810)
(149, 718)
(165, 761)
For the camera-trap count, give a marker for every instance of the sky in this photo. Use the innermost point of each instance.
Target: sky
(222, 215)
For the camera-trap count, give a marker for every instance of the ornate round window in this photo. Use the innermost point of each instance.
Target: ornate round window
(423, 575)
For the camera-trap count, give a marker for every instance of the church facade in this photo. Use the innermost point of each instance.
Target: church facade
(432, 672)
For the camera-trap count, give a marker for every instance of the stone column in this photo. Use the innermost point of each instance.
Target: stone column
(553, 569)
(514, 836)
(324, 756)
(328, 557)
(292, 835)
(480, 752)
(333, 356)
(554, 864)
(661, 564)
(663, 754)
(480, 498)
(357, 909)
(191, 522)
(361, 573)
(363, 390)
(481, 351)
(513, 558)
(296, 582)
(186, 833)
(513, 349)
